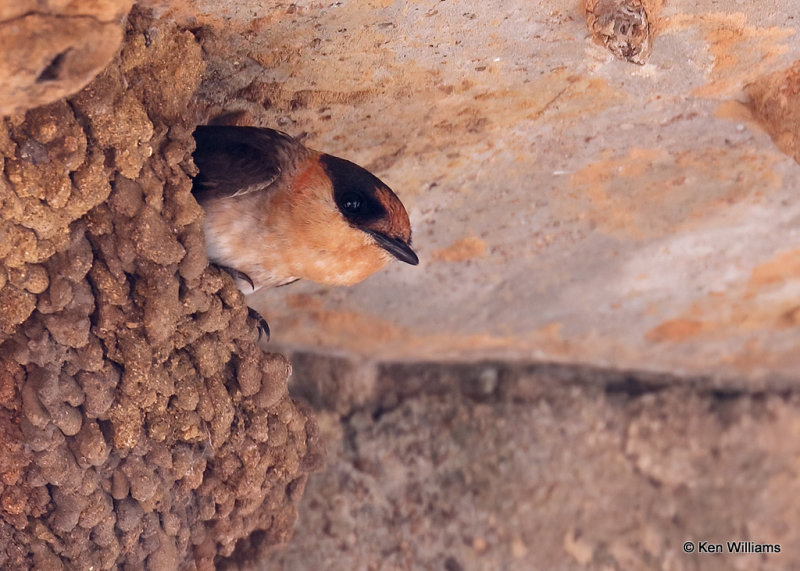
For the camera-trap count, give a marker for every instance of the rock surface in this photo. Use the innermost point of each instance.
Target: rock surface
(567, 205)
(518, 467)
(54, 50)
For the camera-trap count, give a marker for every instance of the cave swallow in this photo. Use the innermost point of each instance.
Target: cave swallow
(277, 211)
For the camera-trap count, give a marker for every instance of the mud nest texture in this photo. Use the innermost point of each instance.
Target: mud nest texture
(624, 27)
(141, 424)
(775, 102)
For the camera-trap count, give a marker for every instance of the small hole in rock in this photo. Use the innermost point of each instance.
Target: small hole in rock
(52, 71)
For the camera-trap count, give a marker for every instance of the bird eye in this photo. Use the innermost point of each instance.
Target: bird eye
(352, 203)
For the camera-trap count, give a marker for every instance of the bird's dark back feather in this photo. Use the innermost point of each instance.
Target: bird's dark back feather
(236, 160)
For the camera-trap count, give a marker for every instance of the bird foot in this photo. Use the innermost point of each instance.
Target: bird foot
(261, 323)
(237, 275)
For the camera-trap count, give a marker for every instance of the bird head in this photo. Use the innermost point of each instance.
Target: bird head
(367, 204)
(278, 211)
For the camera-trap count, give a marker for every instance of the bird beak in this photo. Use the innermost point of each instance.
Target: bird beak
(396, 247)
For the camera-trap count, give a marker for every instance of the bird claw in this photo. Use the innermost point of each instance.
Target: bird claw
(261, 323)
(237, 275)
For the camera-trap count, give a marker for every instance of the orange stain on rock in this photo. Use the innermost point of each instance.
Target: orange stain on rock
(649, 193)
(676, 330)
(737, 111)
(741, 310)
(314, 325)
(740, 52)
(468, 248)
(785, 266)
(370, 331)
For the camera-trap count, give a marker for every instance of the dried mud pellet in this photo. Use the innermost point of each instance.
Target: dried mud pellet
(182, 459)
(248, 371)
(129, 514)
(229, 293)
(195, 260)
(160, 455)
(126, 426)
(154, 240)
(32, 407)
(92, 445)
(295, 489)
(38, 438)
(44, 351)
(162, 311)
(15, 307)
(186, 394)
(225, 509)
(276, 371)
(129, 544)
(165, 555)
(109, 287)
(258, 428)
(158, 428)
(45, 382)
(213, 319)
(58, 467)
(17, 350)
(104, 532)
(67, 418)
(273, 389)
(151, 529)
(90, 356)
(142, 478)
(14, 501)
(624, 27)
(30, 277)
(206, 508)
(209, 356)
(39, 500)
(12, 375)
(198, 532)
(171, 523)
(44, 558)
(194, 476)
(99, 390)
(286, 412)
(69, 328)
(194, 300)
(127, 198)
(120, 486)
(98, 507)
(57, 297)
(70, 391)
(224, 411)
(189, 427)
(68, 509)
(278, 433)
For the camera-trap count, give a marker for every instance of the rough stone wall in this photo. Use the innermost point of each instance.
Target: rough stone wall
(54, 48)
(512, 466)
(141, 423)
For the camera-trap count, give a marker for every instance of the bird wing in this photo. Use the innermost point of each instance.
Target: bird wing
(238, 160)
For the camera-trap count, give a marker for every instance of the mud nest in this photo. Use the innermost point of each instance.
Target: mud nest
(140, 422)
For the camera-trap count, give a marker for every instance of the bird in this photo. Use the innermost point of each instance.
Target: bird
(277, 211)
